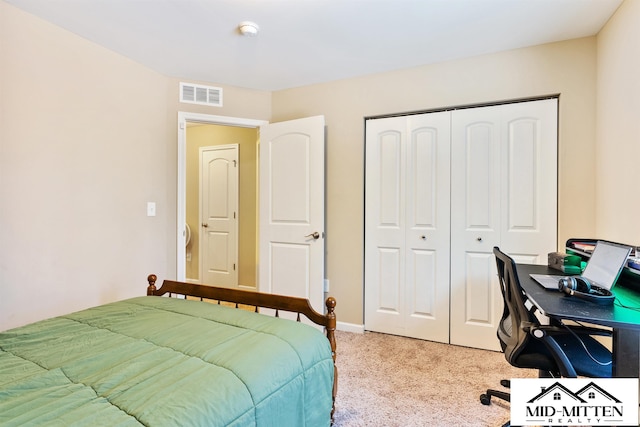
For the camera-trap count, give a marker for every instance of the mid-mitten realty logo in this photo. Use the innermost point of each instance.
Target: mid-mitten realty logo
(574, 401)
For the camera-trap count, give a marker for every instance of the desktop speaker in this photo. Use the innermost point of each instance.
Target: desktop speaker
(580, 287)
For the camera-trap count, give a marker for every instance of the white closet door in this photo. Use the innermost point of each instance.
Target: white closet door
(503, 194)
(475, 226)
(530, 157)
(384, 225)
(407, 226)
(427, 227)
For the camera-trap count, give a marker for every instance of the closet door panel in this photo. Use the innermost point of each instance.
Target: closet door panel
(428, 225)
(389, 180)
(421, 299)
(388, 297)
(521, 169)
(529, 222)
(407, 214)
(479, 289)
(421, 219)
(506, 154)
(475, 226)
(385, 225)
(480, 183)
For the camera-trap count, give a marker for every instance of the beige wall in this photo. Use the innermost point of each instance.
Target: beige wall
(247, 139)
(87, 138)
(566, 68)
(82, 149)
(618, 131)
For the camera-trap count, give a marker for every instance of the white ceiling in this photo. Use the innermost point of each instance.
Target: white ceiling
(304, 42)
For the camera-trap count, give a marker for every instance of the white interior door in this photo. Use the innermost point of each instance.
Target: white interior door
(219, 211)
(504, 193)
(292, 209)
(407, 226)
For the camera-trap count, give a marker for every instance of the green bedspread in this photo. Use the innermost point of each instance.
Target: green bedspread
(157, 361)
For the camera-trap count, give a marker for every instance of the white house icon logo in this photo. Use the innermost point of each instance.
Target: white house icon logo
(567, 402)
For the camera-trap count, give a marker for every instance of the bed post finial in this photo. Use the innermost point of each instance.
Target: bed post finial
(331, 306)
(151, 289)
(331, 324)
(331, 335)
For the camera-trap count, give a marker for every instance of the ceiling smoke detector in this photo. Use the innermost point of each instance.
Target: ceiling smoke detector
(248, 28)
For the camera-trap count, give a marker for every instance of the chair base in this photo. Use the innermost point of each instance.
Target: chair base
(485, 398)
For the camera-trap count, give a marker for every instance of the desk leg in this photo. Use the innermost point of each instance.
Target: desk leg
(626, 353)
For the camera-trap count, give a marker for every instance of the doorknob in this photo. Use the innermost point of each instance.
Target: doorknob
(205, 225)
(315, 235)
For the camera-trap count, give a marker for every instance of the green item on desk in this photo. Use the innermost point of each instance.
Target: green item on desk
(567, 263)
(572, 269)
(573, 260)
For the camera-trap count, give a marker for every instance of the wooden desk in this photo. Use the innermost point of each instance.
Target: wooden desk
(624, 321)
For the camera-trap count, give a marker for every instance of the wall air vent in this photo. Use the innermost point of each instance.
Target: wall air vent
(199, 94)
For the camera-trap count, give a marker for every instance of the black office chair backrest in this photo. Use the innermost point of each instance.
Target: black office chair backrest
(513, 338)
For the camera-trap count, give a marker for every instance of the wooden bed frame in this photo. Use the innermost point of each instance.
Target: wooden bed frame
(258, 300)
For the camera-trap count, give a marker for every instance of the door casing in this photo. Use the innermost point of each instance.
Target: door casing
(181, 214)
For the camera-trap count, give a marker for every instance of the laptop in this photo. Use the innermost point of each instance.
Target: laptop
(602, 270)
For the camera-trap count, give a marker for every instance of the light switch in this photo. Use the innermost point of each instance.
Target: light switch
(151, 208)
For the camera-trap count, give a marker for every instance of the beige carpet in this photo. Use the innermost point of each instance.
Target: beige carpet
(389, 381)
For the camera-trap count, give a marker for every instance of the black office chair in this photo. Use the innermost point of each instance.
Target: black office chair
(556, 350)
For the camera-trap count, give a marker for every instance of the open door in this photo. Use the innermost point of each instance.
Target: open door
(291, 257)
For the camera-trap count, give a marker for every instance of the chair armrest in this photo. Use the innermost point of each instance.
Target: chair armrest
(546, 334)
(567, 329)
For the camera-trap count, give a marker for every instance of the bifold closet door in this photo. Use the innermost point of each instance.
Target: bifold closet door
(503, 193)
(442, 189)
(407, 226)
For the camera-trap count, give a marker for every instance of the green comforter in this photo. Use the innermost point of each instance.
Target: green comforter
(157, 361)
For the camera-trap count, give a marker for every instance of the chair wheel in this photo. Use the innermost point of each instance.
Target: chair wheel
(485, 399)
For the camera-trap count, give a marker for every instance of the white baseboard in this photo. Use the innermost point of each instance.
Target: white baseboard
(350, 327)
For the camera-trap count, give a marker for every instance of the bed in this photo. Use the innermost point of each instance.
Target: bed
(161, 361)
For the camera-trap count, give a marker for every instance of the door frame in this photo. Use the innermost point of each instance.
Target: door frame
(181, 211)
